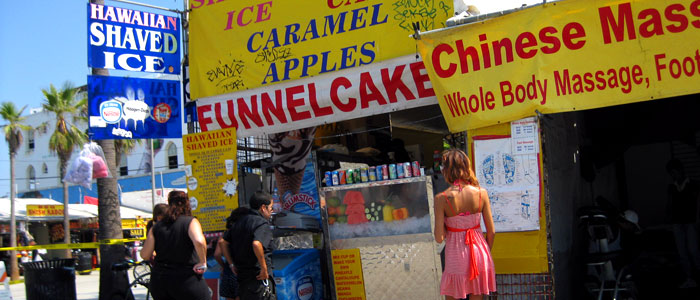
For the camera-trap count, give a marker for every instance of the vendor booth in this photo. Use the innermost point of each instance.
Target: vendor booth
(600, 98)
(364, 101)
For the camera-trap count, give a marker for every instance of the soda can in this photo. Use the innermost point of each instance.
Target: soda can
(349, 177)
(385, 172)
(392, 171)
(372, 173)
(335, 178)
(416, 168)
(400, 170)
(357, 176)
(407, 170)
(328, 178)
(341, 177)
(364, 174)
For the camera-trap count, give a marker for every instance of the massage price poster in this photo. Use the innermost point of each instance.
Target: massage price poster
(512, 181)
(211, 172)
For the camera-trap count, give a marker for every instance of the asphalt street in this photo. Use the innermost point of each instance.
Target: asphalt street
(87, 288)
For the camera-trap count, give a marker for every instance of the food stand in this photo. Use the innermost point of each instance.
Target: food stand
(391, 223)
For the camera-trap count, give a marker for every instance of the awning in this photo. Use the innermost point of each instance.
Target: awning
(124, 212)
(143, 200)
(21, 210)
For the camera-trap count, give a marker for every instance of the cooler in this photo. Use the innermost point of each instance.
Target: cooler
(297, 274)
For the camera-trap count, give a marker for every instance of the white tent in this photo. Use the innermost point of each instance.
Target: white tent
(21, 210)
(143, 200)
(124, 212)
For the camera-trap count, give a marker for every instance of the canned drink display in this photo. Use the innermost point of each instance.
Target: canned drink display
(341, 177)
(392, 171)
(407, 169)
(328, 178)
(357, 176)
(416, 168)
(364, 176)
(385, 172)
(400, 171)
(349, 177)
(372, 173)
(336, 178)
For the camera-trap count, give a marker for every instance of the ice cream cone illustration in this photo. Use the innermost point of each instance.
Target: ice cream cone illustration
(289, 152)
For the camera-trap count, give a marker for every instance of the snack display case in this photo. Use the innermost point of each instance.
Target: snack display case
(391, 223)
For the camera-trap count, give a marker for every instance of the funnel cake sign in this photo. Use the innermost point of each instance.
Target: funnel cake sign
(133, 108)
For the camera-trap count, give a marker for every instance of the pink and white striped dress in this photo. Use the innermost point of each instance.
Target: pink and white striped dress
(469, 267)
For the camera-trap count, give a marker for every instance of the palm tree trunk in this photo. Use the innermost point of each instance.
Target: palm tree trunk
(14, 274)
(66, 216)
(113, 285)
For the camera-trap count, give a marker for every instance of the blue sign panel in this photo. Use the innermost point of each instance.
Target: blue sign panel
(133, 108)
(132, 40)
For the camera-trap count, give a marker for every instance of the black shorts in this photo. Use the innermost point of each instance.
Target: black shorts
(178, 285)
(254, 289)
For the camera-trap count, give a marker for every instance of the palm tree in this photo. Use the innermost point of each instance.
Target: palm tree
(13, 136)
(65, 103)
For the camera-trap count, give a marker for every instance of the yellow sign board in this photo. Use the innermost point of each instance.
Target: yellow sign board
(53, 210)
(563, 56)
(347, 273)
(241, 45)
(212, 176)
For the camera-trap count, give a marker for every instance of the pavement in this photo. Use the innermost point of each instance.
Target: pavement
(87, 288)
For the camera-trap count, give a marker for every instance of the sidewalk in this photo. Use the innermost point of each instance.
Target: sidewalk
(87, 288)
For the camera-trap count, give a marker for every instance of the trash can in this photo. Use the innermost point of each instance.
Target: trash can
(84, 266)
(50, 279)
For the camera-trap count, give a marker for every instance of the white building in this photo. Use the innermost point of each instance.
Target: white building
(37, 169)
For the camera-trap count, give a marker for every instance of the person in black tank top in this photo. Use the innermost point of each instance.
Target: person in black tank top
(181, 248)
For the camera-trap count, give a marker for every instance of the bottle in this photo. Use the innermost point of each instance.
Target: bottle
(276, 204)
(436, 161)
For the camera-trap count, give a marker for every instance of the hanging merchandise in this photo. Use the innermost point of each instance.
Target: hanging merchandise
(80, 172)
(99, 165)
(90, 164)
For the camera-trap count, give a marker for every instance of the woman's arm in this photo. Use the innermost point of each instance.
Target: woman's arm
(218, 253)
(200, 245)
(148, 246)
(488, 218)
(439, 203)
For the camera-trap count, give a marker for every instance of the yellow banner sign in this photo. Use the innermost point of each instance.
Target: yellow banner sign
(564, 56)
(212, 176)
(53, 210)
(240, 45)
(347, 273)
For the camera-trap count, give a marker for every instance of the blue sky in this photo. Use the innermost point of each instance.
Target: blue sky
(41, 43)
(45, 42)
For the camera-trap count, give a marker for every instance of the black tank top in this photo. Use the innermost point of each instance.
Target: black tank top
(173, 246)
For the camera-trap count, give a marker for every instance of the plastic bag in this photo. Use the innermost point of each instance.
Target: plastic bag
(90, 164)
(80, 172)
(99, 165)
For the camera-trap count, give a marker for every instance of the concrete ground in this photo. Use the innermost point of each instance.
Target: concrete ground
(87, 288)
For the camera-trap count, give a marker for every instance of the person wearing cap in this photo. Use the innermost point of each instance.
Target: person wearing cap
(683, 195)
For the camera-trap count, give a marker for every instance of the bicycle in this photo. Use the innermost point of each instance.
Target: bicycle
(141, 272)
